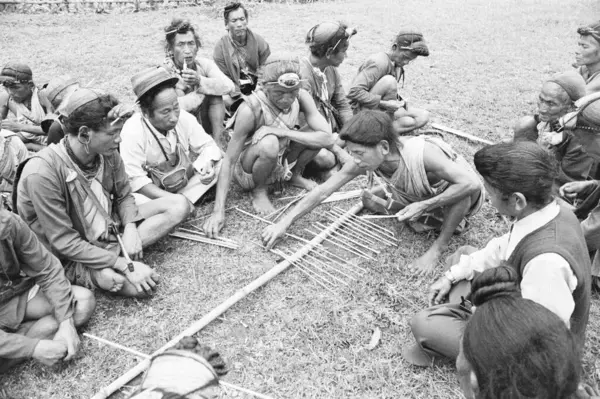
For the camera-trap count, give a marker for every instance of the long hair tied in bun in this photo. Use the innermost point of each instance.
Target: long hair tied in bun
(516, 347)
(494, 283)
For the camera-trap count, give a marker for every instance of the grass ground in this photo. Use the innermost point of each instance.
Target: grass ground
(292, 339)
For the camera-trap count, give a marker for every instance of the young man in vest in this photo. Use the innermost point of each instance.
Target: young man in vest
(545, 245)
(265, 145)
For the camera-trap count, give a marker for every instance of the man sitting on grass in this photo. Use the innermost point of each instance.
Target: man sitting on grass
(377, 84)
(266, 146)
(39, 309)
(160, 142)
(557, 98)
(23, 100)
(201, 84)
(239, 54)
(72, 194)
(545, 246)
(424, 180)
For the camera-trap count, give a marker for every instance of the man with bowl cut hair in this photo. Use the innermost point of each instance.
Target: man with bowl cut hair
(377, 84)
(239, 54)
(266, 146)
(587, 56)
(201, 84)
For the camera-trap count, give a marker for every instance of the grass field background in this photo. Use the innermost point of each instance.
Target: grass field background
(293, 339)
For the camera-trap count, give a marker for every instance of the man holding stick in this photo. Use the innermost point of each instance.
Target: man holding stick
(424, 181)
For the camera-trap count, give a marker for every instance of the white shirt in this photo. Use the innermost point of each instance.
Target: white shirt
(547, 278)
(139, 146)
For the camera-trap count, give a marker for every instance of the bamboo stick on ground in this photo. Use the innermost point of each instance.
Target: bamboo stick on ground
(227, 304)
(382, 229)
(315, 259)
(321, 270)
(205, 240)
(374, 225)
(341, 236)
(201, 233)
(347, 265)
(364, 227)
(362, 230)
(361, 238)
(344, 246)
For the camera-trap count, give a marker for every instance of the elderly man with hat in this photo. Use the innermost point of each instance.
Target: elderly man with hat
(160, 143)
(587, 56)
(23, 100)
(557, 97)
(76, 197)
(266, 147)
(56, 94)
(377, 84)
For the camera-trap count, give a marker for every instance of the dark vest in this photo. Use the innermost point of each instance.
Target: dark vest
(563, 236)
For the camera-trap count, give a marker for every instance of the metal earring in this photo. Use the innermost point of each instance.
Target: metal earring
(86, 147)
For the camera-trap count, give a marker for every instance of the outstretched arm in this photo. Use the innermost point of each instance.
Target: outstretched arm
(349, 171)
(244, 125)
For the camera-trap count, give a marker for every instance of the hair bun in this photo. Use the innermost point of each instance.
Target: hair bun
(493, 283)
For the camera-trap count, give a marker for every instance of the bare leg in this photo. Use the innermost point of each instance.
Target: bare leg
(44, 328)
(260, 160)
(216, 116)
(323, 165)
(161, 216)
(453, 215)
(302, 155)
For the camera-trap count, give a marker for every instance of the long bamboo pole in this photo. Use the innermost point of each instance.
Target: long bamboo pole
(228, 303)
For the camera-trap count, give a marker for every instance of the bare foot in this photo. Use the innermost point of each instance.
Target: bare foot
(261, 203)
(427, 262)
(108, 279)
(302, 182)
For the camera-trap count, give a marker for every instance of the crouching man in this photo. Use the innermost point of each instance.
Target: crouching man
(39, 309)
(266, 146)
(75, 195)
(160, 142)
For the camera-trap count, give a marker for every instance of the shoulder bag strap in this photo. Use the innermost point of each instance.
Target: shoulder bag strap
(159, 144)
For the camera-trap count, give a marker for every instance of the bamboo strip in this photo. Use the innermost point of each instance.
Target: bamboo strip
(322, 270)
(330, 266)
(201, 233)
(360, 225)
(382, 230)
(363, 230)
(337, 233)
(461, 134)
(224, 306)
(344, 246)
(374, 225)
(204, 240)
(346, 265)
